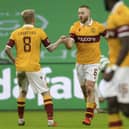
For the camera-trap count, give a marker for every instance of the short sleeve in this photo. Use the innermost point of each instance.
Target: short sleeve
(72, 32)
(43, 35)
(102, 30)
(11, 41)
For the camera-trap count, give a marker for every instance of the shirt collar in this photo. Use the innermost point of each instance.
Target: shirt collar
(89, 22)
(117, 5)
(28, 25)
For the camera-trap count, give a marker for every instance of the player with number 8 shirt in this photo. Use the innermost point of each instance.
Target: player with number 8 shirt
(27, 41)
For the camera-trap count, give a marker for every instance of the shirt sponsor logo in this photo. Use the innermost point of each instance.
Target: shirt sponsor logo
(88, 39)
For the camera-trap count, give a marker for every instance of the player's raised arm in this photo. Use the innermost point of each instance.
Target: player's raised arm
(51, 47)
(68, 41)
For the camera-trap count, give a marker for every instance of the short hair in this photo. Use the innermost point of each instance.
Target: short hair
(84, 6)
(27, 15)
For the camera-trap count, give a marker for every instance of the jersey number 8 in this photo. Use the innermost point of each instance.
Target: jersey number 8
(27, 44)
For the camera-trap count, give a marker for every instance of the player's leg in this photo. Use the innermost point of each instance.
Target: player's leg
(115, 121)
(87, 82)
(89, 111)
(90, 102)
(39, 85)
(91, 72)
(90, 106)
(111, 90)
(83, 88)
(124, 107)
(123, 96)
(97, 98)
(48, 105)
(81, 70)
(23, 87)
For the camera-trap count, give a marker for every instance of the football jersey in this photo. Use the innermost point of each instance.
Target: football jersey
(87, 40)
(27, 41)
(117, 26)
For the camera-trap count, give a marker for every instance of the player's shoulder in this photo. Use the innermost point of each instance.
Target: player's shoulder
(123, 7)
(120, 15)
(121, 10)
(16, 30)
(97, 23)
(76, 24)
(39, 29)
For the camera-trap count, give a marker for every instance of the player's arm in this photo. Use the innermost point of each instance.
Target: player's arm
(8, 50)
(51, 47)
(123, 35)
(122, 54)
(124, 50)
(68, 41)
(46, 42)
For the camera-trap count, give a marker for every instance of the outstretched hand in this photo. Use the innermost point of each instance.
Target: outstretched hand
(64, 39)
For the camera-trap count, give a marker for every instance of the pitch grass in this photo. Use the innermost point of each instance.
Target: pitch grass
(65, 119)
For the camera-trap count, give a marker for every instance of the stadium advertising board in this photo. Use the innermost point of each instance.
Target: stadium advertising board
(62, 81)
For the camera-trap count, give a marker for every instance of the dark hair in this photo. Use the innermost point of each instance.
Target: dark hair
(109, 4)
(84, 6)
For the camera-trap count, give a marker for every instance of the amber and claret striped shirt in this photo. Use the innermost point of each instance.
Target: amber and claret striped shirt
(27, 41)
(117, 27)
(87, 40)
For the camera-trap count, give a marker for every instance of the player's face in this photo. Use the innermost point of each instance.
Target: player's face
(83, 14)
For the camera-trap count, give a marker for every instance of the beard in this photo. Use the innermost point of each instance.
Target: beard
(83, 20)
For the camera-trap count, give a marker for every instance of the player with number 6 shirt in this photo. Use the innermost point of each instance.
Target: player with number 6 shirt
(85, 34)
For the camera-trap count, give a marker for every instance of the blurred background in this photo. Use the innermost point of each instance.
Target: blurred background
(55, 17)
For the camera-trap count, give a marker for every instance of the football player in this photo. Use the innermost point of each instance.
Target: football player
(27, 41)
(117, 72)
(85, 34)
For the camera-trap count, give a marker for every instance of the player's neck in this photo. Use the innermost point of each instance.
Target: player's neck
(28, 25)
(88, 22)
